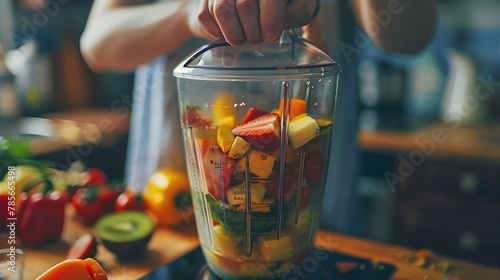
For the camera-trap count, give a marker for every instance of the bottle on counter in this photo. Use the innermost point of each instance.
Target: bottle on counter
(9, 106)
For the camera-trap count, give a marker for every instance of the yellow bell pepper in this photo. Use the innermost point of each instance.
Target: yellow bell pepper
(168, 197)
(23, 174)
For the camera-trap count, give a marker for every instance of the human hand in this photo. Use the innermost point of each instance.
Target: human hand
(253, 21)
(312, 32)
(33, 4)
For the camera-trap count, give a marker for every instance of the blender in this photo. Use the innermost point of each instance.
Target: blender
(257, 123)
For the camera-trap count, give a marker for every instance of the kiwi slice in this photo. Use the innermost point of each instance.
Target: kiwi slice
(126, 234)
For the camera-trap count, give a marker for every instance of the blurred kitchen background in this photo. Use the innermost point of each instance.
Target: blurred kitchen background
(429, 126)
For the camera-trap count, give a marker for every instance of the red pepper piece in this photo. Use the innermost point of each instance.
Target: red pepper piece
(84, 247)
(41, 217)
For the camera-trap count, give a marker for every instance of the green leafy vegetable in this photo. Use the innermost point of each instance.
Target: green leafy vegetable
(12, 152)
(235, 220)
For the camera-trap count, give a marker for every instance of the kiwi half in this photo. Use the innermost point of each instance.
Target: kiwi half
(126, 234)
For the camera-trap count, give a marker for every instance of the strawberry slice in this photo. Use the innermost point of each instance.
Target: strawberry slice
(218, 168)
(252, 114)
(193, 117)
(263, 133)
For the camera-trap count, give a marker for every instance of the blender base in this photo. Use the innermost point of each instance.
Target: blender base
(206, 274)
(321, 265)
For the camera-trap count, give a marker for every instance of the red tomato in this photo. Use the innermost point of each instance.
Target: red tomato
(88, 207)
(94, 177)
(129, 200)
(108, 195)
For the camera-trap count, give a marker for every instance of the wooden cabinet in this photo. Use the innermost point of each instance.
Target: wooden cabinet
(450, 201)
(453, 208)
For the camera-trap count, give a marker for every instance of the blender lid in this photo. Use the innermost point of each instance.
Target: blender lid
(289, 57)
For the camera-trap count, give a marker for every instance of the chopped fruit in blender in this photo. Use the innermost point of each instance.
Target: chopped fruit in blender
(303, 219)
(205, 134)
(313, 166)
(263, 133)
(291, 175)
(227, 265)
(274, 249)
(302, 130)
(236, 195)
(229, 121)
(239, 147)
(291, 155)
(305, 198)
(297, 107)
(252, 114)
(218, 168)
(193, 117)
(324, 126)
(261, 164)
(235, 220)
(223, 106)
(225, 138)
(255, 269)
(256, 207)
(226, 242)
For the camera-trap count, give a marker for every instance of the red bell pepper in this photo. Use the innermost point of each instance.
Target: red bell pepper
(41, 217)
(4, 211)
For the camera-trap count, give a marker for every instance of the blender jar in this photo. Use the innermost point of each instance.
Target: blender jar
(257, 123)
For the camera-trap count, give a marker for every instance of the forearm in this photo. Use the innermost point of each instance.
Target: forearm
(397, 26)
(123, 37)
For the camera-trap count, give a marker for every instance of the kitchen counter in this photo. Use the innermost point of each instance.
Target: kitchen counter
(480, 142)
(167, 245)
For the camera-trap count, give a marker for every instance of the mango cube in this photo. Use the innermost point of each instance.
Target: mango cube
(225, 138)
(236, 195)
(261, 164)
(274, 249)
(226, 242)
(228, 120)
(223, 106)
(239, 147)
